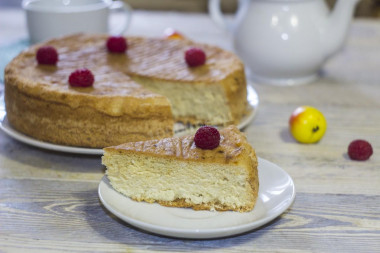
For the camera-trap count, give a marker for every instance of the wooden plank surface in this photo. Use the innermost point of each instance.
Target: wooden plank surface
(44, 214)
(49, 201)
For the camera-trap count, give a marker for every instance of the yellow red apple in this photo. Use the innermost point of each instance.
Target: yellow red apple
(307, 124)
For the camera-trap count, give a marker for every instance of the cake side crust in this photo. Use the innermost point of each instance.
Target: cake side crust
(82, 126)
(206, 206)
(233, 146)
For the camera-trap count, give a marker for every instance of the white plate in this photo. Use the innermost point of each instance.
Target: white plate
(179, 129)
(276, 194)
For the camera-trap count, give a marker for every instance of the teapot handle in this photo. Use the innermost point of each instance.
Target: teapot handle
(218, 17)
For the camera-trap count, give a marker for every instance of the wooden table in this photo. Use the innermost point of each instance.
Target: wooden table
(49, 201)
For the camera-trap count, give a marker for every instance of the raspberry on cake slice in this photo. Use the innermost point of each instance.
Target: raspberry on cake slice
(207, 137)
(195, 57)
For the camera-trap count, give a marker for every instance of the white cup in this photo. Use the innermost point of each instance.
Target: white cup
(53, 18)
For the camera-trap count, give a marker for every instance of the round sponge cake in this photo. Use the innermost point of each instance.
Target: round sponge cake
(137, 95)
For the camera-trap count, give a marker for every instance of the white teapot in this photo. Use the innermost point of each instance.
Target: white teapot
(286, 42)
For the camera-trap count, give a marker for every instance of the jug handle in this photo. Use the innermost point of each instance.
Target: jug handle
(126, 9)
(217, 16)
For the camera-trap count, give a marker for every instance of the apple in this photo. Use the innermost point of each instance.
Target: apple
(307, 124)
(170, 33)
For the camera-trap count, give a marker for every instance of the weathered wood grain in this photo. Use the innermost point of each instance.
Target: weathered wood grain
(18, 160)
(44, 214)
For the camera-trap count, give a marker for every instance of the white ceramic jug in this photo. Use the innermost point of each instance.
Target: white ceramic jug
(286, 42)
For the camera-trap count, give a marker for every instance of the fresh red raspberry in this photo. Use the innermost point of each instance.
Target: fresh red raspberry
(47, 55)
(195, 57)
(207, 137)
(117, 44)
(360, 150)
(81, 78)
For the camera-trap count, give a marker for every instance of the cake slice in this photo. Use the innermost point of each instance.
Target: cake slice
(175, 172)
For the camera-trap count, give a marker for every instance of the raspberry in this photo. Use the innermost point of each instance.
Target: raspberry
(360, 150)
(117, 44)
(195, 57)
(47, 55)
(207, 137)
(81, 78)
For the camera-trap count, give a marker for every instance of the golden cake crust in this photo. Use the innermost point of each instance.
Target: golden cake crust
(112, 71)
(232, 146)
(146, 58)
(83, 126)
(114, 93)
(50, 83)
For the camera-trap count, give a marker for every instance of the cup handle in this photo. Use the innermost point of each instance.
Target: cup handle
(217, 16)
(127, 10)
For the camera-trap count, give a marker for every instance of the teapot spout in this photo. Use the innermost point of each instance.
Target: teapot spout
(337, 26)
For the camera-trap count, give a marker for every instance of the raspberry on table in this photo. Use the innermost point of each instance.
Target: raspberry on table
(47, 55)
(117, 44)
(195, 57)
(207, 137)
(81, 78)
(360, 150)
